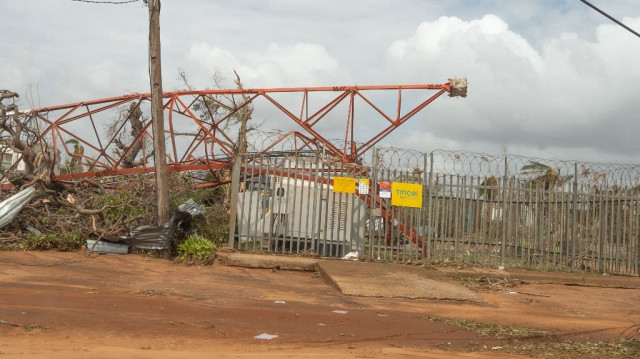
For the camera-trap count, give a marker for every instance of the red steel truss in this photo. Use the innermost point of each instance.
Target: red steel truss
(199, 138)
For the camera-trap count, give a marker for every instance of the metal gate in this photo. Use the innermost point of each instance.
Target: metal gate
(311, 205)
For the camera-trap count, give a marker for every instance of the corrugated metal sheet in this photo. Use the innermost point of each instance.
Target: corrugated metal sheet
(10, 207)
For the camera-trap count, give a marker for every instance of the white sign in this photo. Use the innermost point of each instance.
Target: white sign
(363, 186)
(385, 189)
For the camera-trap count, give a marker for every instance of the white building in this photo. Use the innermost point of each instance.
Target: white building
(9, 157)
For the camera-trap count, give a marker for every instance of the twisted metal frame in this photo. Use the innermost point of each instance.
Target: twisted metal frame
(199, 139)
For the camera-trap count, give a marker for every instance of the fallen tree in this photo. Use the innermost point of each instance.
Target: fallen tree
(20, 136)
(62, 215)
(83, 209)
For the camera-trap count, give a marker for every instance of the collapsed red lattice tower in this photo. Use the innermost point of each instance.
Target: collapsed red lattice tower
(197, 140)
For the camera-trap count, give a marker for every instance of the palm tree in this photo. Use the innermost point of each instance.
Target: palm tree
(544, 175)
(488, 188)
(75, 164)
(488, 191)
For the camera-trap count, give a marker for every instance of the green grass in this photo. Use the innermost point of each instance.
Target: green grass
(196, 250)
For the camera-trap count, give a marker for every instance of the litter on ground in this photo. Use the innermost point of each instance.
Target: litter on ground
(265, 336)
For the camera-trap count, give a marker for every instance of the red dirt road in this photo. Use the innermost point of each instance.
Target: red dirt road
(67, 305)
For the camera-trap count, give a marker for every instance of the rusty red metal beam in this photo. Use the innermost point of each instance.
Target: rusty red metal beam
(446, 86)
(87, 122)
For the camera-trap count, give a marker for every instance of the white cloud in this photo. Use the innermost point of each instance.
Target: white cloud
(211, 58)
(298, 65)
(301, 64)
(18, 74)
(574, 94)
(450, 42)
(545, 77)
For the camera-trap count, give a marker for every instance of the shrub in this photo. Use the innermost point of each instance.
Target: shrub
(214, 224)
(67, 242)
(123, 204)
(196, 250)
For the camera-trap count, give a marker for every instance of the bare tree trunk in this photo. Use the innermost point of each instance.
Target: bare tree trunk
(155, 74)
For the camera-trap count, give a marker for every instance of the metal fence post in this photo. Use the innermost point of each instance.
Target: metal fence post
(373, 188)
(603, 231)
(503, 246)
(423, 210)
(233, 201)
(574, 222)
(429, 206)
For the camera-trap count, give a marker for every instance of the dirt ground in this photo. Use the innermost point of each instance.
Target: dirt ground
(68, 305)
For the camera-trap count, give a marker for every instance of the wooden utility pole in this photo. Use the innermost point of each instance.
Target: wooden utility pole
(157, 113)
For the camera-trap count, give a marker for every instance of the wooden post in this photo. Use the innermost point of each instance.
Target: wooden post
(157, 114)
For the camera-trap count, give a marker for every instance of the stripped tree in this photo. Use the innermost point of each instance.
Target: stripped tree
(59, 208)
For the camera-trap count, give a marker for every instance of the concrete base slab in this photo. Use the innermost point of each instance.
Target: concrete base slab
(390, 280)
(268, 261)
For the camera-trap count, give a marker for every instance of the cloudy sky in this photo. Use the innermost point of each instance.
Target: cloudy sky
(548, 78)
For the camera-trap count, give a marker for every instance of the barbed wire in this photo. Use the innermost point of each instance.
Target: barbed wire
(475, 164)
(484, 165)
(398, 159)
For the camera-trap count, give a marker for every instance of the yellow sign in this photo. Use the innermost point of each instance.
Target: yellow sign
(344, 184)
(406, 195)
